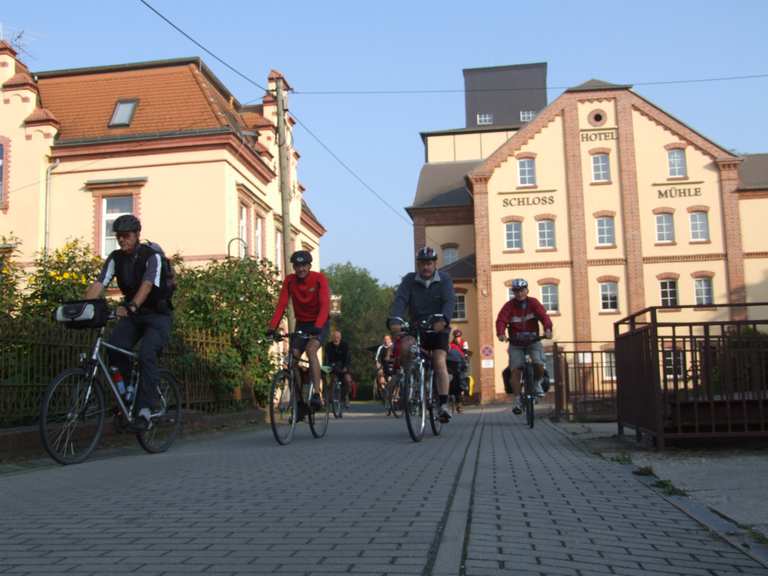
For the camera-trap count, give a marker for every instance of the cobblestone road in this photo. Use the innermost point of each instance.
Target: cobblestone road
(489, 497)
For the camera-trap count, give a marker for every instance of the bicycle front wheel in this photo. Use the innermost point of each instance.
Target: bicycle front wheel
(166, 427)
(71, 416)
(318, 418)
(394, 399)
(283, 407)
(529, 413)
(337, 402)
(433, 403)
(415, 404)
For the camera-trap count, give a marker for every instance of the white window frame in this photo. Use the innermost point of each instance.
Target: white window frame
(673, 363)
(699, 221)
(450, 255)
(460, 308)
(603, 234)
(608, 291)
(513, 240)
(665, 228)
(242, 249)
(677, 163)
(527, 115)
(609, 365)
(526, 171)
(106, 230)
(703, 291)
(550, 297)
(510, 293)
(258, 237)
(484, 119)
(668, 293)
(601, 168)
(547, 237)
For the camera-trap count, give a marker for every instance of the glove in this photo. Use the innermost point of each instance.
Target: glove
(314, 331)
(270, 333)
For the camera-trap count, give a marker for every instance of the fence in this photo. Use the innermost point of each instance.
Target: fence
(32, 352)
(693, 379)
(585, 380)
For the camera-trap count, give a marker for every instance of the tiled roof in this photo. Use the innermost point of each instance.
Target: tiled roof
(20, 80)
(594, 84)
(6, 48)
(461, 269)
(443, 184)
(753, 172)
(42, 116)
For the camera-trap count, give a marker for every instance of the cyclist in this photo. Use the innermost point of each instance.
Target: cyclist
(426, 294)
(337, 356)
(311, 299)
(458, 367)
(521, 316)
(145, 313)
(384, 364)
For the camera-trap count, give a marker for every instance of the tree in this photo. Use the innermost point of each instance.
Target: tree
(364, 308)
(11, 276)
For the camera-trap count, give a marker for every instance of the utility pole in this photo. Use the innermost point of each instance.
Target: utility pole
(285, 184)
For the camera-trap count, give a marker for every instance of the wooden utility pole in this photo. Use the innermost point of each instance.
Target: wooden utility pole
(284, 169)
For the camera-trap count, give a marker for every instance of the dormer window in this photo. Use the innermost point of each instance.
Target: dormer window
(123, 114)
(527, 115)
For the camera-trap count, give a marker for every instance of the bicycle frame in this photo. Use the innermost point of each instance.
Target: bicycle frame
(97, 362)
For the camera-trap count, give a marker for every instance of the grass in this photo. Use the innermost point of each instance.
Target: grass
(622, 458)
(669, 489)
(758, 537)
(643, 471)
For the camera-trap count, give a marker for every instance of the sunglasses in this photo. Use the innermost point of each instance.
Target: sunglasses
(122, 235)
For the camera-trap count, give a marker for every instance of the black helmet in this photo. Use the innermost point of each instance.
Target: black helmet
(126, 223)
(519, 284)
(301, 257)
(426, 253)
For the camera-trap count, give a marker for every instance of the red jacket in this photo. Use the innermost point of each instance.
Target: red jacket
(311, 299)
(522, 317)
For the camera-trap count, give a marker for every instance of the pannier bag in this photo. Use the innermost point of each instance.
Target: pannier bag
(80, 314)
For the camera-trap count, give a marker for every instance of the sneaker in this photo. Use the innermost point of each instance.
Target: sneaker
(538, 390)
(143, 420)
(517, 405)
(316, 402)
(443, 414)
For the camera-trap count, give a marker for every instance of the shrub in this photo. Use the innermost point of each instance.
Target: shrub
(11, 276)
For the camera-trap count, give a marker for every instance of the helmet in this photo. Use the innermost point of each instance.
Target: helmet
(519, 284)
(301, 257)
(426, 253)
(126, 223)
(456, 333)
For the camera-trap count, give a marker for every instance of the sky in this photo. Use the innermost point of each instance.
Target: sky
(346, 46)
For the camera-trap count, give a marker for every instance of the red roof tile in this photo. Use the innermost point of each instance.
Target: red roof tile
(42, 116)
(20, 80)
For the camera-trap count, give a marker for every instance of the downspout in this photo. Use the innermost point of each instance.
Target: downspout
(46, 238)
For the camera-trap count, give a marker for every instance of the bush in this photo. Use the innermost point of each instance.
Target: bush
(11, 277)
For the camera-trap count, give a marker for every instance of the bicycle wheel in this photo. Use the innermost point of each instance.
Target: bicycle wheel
(529, 412)
(433, 403)
(164, 429)
(528, 395)
(337, 402)
(71, 416)
(415, 403)
(283, 407)
(318, 419)
(394, 388)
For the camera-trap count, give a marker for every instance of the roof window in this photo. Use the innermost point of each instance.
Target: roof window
(123, 114)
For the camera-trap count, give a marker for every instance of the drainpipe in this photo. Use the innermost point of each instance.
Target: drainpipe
(46, 239)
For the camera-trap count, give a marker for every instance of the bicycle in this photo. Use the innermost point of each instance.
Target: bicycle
(73, 408)
(528, 381)
(420, 395)
(337, 391)
(290, 400)
(392, 395)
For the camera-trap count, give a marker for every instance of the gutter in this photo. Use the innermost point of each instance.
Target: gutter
(48, 171)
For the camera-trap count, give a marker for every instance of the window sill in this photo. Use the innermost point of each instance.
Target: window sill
(605, 247)
(608, 313)
(601, 183)
(459, 320)
(677, 178)
(553, 313)
(513, 251)
(666, 309)
(673, 243)
(527, 187)
(701, 242)
(705, 308)
(546, 249)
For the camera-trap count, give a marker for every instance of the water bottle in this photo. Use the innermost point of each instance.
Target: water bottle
(117, 378)
(131, 390)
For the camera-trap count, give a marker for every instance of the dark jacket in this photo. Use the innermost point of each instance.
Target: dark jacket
(337, 356)
(421, 301)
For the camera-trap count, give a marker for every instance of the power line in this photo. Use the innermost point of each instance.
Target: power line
(406, 92)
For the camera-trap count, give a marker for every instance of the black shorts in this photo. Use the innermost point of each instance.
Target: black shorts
(436, 340)
(301, 343)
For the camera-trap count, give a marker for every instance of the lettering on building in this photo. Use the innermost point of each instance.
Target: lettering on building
(528, 201)
(598, 135)
(675, 192)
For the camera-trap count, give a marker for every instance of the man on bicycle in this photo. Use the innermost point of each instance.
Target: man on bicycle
(384, 364)
(426, 294)
(521, 316)
(337, 356)
(145, 313)
(311, 299)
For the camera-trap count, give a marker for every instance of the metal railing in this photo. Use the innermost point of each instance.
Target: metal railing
(704, 379)
(585, 380)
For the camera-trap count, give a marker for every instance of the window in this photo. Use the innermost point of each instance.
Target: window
(514, 235)
(665, 228)
(243, 241)
(123, 113)
(703, 291)
(460, 309)
(669, 293)
(279, 250)
(546, 233)
(549, 297)
(601, 168)
(526, 168)
(258, 237)
(699, 226)
(2, 173)
(527, 115)
(609, 365)
(450, 255)
(484, 119)
(676, 159)
(606, 231)
(609, 296)
(674, 363)
(113, 208)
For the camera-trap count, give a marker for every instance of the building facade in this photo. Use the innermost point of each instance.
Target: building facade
(163, 140)
(605, 204)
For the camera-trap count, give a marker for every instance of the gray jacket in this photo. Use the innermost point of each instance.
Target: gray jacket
(422, 299)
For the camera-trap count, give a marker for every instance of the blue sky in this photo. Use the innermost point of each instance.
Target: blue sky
(395, 45)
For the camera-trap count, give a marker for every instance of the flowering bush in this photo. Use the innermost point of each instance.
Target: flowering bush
(11, 276)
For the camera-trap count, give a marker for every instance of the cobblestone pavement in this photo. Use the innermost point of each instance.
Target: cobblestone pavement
(488, 497)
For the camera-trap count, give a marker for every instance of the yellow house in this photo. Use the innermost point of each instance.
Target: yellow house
(604, 203)
(164, 140)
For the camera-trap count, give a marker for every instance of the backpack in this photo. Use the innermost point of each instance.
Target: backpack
(168, 281)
